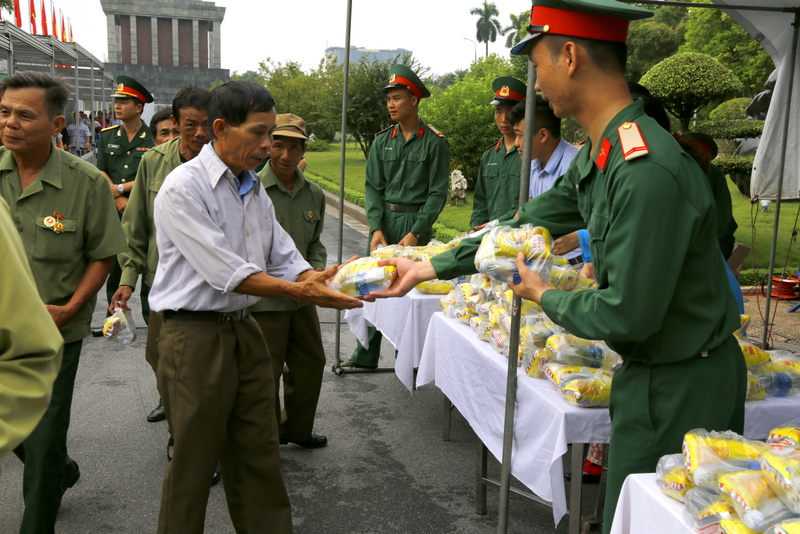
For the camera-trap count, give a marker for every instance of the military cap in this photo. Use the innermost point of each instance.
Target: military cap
(289, 125)
(706, 142)
(402, 76)
(508, 91)
(127, 87)
(603, 20)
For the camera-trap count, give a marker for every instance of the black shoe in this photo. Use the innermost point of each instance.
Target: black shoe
(71, 482)
(316, 441)
(158, 414)
(170, 446)
(97, 332)
(586, 478)
(350, 364)
(217, 476)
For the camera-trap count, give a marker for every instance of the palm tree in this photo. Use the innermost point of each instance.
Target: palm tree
(488, 26)
(515, 31)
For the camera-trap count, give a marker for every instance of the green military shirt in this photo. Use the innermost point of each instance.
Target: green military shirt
(77, 194)
(30, 345)
(137, 219)
(118, 157)
(414, 172)
(301, 212)
(497, 187)
(726, 224)
(663, 293)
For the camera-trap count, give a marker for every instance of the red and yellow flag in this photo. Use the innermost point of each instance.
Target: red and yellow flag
(63, 28)
(17, 14)
(55, 21)
(45, 29)
(32, 9)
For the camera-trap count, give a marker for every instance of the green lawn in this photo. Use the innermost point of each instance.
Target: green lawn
(325, 165)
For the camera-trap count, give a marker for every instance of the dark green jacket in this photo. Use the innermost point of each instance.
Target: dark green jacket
(497, 187)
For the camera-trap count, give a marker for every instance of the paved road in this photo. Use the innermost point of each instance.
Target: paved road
(385, 470)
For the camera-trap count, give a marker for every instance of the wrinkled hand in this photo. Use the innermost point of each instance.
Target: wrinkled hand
(121, 203)
(61, 315)
(587, 271)
(377, 239)
(532, 286)
(479, 227)
(567, 243)
(408, 276)
(408, 241)
(315, 289)
(120, 299)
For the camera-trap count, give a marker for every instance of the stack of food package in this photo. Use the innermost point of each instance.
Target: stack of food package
(770, 373)
(733, 485)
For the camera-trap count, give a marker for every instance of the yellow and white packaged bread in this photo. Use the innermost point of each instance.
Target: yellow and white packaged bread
(791, 526)
(573, 350)
(363, 276)
(536, 367)
(705, 508)
(499, 248)
(754, 499)
(708, 455)
(671, 476)
(755, 391)
(555, 371)
(590, 389)
(784, 437)
(735, 526)
(385, 252)
(781, 468)
(753, 356)
(436, 287)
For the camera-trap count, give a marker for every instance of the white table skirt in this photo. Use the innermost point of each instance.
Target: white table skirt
(403, 322)
(473, 376)
(642, 507)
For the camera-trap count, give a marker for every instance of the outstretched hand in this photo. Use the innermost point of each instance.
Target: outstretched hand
(532, 285)
(314, 288)
(409, 274)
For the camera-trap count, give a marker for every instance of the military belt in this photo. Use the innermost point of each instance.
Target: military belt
(576, 261)
(209, 316)
(403, 208)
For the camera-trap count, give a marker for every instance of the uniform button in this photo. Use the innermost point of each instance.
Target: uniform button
(19, 228)
(112, 153)
(123, 180)
(129, 152)
(126, 166)
(247, 234)
(19, 203)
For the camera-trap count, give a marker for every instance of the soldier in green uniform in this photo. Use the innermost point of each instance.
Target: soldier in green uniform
(291, 329)
(65, 216)
(30, 344)
(497, 186)
(663, 301)
(406, 182)
(119, 152)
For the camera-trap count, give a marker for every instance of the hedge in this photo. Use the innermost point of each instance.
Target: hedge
(731, 129)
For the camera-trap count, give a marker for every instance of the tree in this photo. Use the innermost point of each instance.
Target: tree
(648, 43)
(487, 26)
(515, 31)
(686, 82)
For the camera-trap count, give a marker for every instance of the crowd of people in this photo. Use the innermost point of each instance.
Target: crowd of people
(207, 209)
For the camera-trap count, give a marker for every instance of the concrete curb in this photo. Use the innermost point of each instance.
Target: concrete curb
(353, 210)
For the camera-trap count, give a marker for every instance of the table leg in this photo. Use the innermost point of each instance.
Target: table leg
(575, 489)
(446, 413)
(481, 471)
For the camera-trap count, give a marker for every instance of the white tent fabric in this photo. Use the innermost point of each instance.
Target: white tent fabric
(775, 33)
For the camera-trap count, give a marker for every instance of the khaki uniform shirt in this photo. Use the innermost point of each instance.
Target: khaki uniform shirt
(30, 345)
(137, 219)
(118, 157)
(75, 193)
(301, 212)
(497, 187)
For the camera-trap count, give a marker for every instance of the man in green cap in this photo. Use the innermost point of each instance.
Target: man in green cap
(670, 313)
(120, 150)
(497, 186)
(406, 182)
(66, 219)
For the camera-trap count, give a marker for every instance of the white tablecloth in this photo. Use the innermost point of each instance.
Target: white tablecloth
(642, 507)
(473, 376)
(403, 322)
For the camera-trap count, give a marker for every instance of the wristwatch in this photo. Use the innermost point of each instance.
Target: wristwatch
(415, 234)
(121, 188)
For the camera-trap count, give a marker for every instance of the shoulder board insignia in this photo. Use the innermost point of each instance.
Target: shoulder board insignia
(631, 141)
(434, 130)
(602, 154)
(119, 133)
(110, 128)
(384, 130)
(495, 146)
(582, 142)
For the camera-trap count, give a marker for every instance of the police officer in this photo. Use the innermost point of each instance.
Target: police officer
(66, 219)
(120, 150)
(406, 181)
(669, 313)
(497, 186)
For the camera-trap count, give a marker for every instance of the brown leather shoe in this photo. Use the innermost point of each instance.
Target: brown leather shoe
(316, 441)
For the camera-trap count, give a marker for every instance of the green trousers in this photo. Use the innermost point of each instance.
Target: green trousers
(395, 227)
(48, 468)
(653, 406)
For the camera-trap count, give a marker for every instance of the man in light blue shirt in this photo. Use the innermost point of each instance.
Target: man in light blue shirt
(81, 142)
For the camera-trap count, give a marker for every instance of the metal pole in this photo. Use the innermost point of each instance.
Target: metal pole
(77, 104)
(764, 336)
(342, 154)
(513, 349)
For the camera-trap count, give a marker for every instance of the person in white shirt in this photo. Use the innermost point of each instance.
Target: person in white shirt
(220, 248)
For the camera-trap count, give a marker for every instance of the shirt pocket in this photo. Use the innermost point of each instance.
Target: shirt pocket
(309, 223)
(598, 231)
(265, 230)
(52, 244)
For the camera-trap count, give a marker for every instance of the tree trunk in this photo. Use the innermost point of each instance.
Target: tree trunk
(487, 49)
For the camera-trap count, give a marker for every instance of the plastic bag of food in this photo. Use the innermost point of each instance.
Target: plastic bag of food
(784, 361)
(791, 526)
(535, 337)
(482, 328)
(755, 391)
(735, 526)
(120, 327)
(784, 437)
(555, 371)
(777, 383)
(499, 341)
(708, 455)
(754, 500)
(671, 476)
(573, 350)
(535, 368)
(385, 252)
(496, 315)
(436, 287)
(781, 467)
(498, 252)
(433, 248)
(585, 283)
(363, 276)
(589, 389)
(564, 277)
(705, 508)
(753, 356)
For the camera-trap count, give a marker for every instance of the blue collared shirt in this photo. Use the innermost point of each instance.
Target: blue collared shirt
(557, 165)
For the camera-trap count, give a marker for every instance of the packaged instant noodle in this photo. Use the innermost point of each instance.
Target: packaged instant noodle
(781, 468)
(754, 500)
(499, 341)
(564, 277)
(735, 526)
(498, 252)
(482, 327)
(672, 477)
(384, 252)
(784, 437)
(777, 380)
(120, 327)
(753, 356)
(705, 508)
(785, 527)
(555, 371)
(535, 368)
(783, 361)
(588, 389)
(436, 287)
(708, 455)
(755, 391)
(362, 276)
(573, 350)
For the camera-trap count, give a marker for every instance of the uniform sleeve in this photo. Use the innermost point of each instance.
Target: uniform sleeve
(439, 166)
(374, 186)
(102, 231)
(726, 224)
(317, 255)
(30, 344)
(480, 211)
(135, 227)
(102, 164)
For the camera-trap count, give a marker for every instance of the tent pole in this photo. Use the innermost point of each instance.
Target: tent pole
(513, 346)
(342, 153)
(793, 58)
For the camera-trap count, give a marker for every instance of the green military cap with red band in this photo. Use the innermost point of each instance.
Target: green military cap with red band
(402, 76)
(508, 91)
(127, 87)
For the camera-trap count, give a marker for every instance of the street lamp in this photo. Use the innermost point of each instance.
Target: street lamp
(475, 47)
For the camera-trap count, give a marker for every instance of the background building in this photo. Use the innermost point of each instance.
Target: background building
(357, 53)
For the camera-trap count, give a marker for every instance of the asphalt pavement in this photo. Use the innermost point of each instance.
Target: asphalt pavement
(385, 469)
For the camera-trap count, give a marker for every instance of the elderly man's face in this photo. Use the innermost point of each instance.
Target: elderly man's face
(244, 147)
(27, 128)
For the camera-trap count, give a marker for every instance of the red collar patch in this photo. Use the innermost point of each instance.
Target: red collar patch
(602, 155)
(421, 132)
(394, 132)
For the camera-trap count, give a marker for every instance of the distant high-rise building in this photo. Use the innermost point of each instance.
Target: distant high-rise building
(356, 53)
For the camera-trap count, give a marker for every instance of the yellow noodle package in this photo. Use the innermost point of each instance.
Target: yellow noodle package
(363, 276)
(754, 500)
(436, 287)
(555, 371)
(672, 477)
(564, 278)
(753, 355)
(705, 508)
(791, 526)
(735, 526)
(573, 350)
(781, 468)
(784, 437)
(589, 389)
(708, 455)
(499, 248)
(385, 252)
(755, 391)
(536, 367)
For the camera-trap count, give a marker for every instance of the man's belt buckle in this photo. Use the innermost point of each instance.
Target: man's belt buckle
(229, 317)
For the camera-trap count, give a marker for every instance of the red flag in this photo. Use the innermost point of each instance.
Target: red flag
(71, 39)
(55, 20)
(45, 29)
(17, 14)
(63, 28)
(32, 9)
